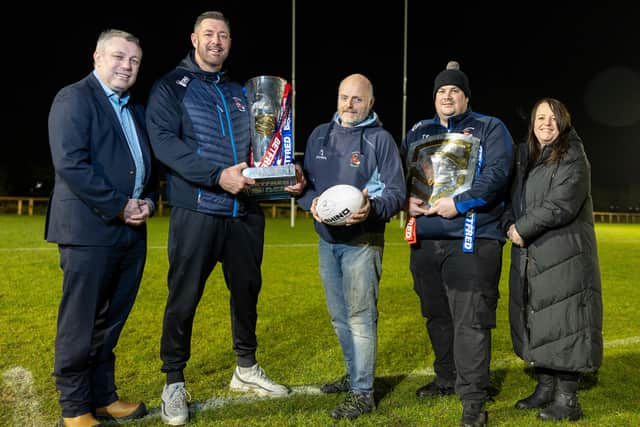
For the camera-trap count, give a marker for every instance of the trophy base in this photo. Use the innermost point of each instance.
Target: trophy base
(270, 181)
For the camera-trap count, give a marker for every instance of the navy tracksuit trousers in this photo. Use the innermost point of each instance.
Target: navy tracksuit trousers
(197, 242)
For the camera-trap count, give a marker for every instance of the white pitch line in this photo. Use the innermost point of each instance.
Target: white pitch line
(495, 364)
(219, 402)
(52, 248)
(18, 390)
(514, 360)
(623, 342)
(267, 245)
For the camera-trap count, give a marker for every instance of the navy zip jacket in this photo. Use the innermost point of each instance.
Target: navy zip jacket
(489, 189)
(365, 156)
(199, 124)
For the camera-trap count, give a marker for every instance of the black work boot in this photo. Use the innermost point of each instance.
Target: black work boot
(435, 390)
(473, 414)
(354, 405)
(565, 405)
(542, 395)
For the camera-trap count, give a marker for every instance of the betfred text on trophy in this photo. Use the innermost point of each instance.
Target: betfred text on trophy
(272, 146)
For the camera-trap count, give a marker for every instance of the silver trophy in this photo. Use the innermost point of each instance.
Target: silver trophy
(272, 149)
(442, 165)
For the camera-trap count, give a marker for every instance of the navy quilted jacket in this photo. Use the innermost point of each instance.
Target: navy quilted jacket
(199, 124)
(488, 192)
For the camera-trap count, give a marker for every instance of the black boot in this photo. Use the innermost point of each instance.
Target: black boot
(542, 395)
(565, 405)
(473, 414)
(433, 389)
(354, 405)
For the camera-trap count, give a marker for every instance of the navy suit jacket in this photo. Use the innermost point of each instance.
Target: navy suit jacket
(95, 171)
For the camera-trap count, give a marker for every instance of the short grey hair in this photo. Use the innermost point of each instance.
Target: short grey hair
(107, 35)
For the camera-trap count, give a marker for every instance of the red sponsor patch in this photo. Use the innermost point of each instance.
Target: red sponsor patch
(410, 231)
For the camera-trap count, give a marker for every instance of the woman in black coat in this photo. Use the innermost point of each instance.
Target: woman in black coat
(555, 302)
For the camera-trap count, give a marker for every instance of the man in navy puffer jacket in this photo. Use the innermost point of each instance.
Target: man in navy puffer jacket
(199, 125)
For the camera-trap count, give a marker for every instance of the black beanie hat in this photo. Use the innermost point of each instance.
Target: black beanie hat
(452, 76)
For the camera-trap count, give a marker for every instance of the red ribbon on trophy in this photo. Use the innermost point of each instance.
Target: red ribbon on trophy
(272, 155)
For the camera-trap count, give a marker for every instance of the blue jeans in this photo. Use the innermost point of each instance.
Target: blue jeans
(350, 275)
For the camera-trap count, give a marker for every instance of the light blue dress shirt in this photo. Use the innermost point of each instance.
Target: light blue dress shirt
(119, 104)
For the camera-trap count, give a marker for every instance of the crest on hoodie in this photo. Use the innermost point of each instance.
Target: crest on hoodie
(355, 159)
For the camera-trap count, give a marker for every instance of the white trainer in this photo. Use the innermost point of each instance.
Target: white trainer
(174, 409)
(255, 380)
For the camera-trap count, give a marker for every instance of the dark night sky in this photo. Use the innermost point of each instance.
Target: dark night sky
(586, 57)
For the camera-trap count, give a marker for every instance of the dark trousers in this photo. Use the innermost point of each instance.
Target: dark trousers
(458, 296)
(99, 288)
(197, 242)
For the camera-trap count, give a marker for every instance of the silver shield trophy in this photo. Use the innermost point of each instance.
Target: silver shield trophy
(269, 99)
(442, 165)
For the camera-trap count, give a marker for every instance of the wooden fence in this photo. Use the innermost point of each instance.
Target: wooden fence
(21, 201)
(275, 208)
(283, 207)
(617, 217)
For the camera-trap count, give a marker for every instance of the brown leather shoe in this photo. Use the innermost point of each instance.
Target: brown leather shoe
(121, 410)
(84, 420)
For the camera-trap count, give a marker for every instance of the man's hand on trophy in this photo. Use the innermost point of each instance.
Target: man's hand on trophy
(301, 182)
(445, 207)
(232, 180)
(417, 207)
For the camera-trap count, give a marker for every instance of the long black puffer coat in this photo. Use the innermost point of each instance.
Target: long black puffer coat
(555, 302)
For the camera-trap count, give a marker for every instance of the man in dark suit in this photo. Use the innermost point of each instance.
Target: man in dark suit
(105, 189)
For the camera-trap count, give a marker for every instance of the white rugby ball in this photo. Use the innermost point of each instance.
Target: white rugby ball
(336, 204)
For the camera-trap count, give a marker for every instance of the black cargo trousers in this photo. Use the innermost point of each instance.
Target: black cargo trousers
(458, 296)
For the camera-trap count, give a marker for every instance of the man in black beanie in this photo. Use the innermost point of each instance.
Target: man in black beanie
(456, 245)
(452, 76)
